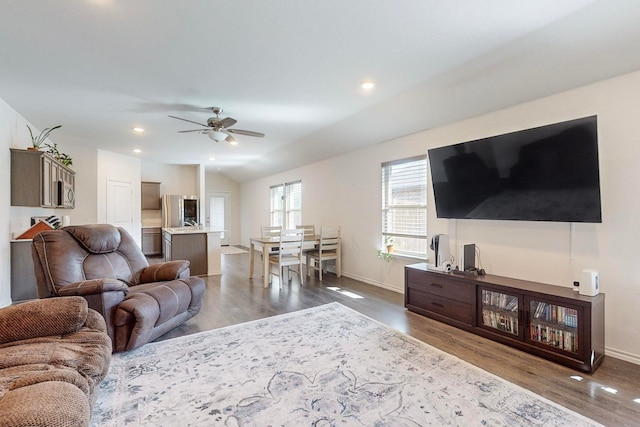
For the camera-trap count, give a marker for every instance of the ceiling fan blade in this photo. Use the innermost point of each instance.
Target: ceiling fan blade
(227, 122)
(246, 132)
(192, 130)
(190, 121)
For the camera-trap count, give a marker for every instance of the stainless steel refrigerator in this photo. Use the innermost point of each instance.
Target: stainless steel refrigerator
(179, 211)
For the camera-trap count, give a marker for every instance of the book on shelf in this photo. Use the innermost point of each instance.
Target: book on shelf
(555, 314)
(559, 338)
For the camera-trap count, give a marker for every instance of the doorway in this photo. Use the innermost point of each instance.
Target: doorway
(120, 204)
(217, 214)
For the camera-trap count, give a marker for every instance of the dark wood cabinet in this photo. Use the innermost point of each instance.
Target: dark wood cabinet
(152, 241)
(444, 298)
(549, 321)
(150, 195)
(23, 277)
(39, 180)
(190, 246)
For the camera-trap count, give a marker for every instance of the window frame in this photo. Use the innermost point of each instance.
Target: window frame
(287, 210)
(405, 232)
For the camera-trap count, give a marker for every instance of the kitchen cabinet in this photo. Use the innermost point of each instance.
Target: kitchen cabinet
(201, 247)
(39, 180)
(23, 277)
(152, 241)
(150, 195)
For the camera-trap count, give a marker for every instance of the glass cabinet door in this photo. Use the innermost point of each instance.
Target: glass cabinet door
(500, 311)
(554, 325)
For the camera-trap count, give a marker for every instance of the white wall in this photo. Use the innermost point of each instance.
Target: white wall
(11, 135)
(173, 179)
(345, 191)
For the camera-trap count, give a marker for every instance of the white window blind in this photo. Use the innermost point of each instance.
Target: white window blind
(404, 205)
(286, 204)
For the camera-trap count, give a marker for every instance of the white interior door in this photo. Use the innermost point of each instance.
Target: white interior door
(120, 204)
(218, 213)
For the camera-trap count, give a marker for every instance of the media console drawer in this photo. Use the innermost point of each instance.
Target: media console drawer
(447, 307)
(439, 284)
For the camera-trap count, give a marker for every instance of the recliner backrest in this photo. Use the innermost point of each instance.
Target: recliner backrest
(86, 252)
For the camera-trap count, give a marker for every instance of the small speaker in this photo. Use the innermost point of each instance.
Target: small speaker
(589, 283)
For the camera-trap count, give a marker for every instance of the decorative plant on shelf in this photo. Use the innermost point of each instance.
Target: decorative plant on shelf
(63, 158)
(37, 141)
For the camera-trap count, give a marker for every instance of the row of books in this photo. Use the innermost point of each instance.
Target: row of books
(500, 300)
(554, 337)
(554, 313)
(500, 321)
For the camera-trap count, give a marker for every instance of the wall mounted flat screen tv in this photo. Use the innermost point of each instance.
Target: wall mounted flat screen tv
(548, 173)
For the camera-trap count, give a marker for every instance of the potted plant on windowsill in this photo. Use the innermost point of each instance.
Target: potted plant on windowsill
(37, 141)
(388, 242)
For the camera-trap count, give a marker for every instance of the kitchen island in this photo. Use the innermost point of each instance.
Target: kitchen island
(200, 246)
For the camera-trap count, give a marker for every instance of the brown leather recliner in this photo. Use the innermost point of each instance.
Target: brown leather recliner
(103, 264)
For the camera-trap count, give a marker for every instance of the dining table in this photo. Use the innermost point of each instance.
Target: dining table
(270, 242)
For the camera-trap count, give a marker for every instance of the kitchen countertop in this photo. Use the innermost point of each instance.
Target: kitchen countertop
(190, 230)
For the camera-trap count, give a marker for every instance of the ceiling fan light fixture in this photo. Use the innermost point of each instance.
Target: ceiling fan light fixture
(217, 135)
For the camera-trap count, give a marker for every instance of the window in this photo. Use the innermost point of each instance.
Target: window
(404, 205)
(286, 204)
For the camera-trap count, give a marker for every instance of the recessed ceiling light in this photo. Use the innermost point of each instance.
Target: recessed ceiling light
(212, 158)
(139, 130)
(367, 84)
(137, 150)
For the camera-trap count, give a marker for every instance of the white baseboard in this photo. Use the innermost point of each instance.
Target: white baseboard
(374, 283)
(622, 355)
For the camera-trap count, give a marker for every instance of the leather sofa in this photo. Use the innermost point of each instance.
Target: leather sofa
(53, 355)
(104, 265)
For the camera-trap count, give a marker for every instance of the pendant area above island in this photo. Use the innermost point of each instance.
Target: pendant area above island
(200, 246)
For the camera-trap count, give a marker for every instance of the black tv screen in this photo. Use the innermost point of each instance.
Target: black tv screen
(548, 173)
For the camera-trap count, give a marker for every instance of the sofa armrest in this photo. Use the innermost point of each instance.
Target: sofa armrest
(93, 287)
(42, 318)
(164, 271)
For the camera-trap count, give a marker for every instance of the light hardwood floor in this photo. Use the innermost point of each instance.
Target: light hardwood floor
(233, 298)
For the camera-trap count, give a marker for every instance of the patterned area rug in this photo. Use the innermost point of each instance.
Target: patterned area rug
(324, 366)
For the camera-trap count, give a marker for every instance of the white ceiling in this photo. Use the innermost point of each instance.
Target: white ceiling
(291, 69)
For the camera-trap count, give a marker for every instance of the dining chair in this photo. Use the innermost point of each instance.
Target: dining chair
(289, 253)
(309, 233)
(327, 250)
(309, 230)
(270, 231)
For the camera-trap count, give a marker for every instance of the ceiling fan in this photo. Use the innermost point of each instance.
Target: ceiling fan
(218, 129)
